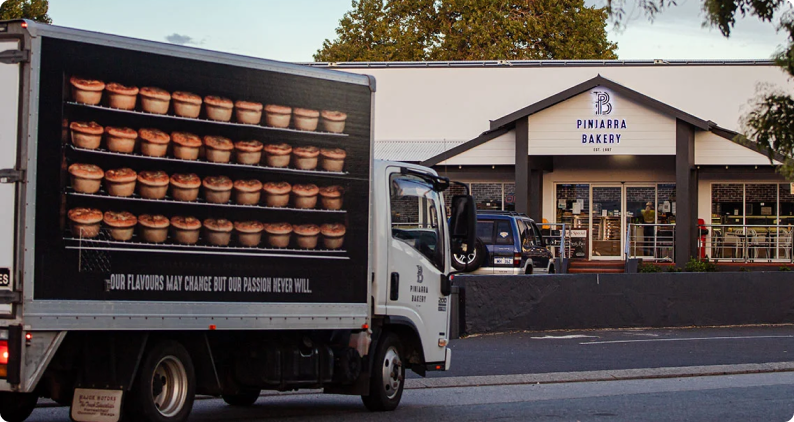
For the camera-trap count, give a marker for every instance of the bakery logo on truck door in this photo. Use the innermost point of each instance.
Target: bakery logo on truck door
(418, 293)
(603, 130)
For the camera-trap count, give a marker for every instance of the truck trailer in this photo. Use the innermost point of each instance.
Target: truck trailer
(177, 221)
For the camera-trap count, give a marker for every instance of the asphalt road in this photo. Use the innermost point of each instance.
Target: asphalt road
(742, 398)
(559, 376)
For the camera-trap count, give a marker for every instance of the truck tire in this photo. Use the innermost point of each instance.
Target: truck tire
(388, 376)
(469, 262)
(16, 407)
(242, 399)
(166, 384)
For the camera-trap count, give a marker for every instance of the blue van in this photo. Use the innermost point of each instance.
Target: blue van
(508, 243)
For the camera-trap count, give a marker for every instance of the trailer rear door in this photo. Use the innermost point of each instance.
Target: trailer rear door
(9, 127)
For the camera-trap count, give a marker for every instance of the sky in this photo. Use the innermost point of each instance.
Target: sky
(293, 30)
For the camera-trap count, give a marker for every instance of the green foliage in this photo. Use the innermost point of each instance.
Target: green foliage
(697, 266)
(770, 121)
(420, 30)
(674, 269)
(25, 9)
(649, 268)
(784, 268)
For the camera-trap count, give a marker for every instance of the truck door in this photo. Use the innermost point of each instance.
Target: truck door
(417, 258)
(9, 127)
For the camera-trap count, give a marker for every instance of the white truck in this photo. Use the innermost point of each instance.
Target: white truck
(127, 289)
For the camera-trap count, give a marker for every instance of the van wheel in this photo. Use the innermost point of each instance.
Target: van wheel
(166, 384)
(462, 261)
(388, 376)
(242, 399)
(16, 407)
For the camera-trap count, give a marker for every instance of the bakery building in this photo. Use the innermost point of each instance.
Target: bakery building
(639, 157)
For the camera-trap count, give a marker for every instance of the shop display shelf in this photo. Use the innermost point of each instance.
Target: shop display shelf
(169, 246)
(281, 170)
(215, 122)
(199, 202)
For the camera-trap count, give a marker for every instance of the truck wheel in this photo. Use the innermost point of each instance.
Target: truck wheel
(242, 399)
(166, 384)
(16, 407)
(388, 376)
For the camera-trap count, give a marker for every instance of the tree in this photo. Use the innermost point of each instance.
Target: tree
(25, 9)
(420, 30)
(770, 123)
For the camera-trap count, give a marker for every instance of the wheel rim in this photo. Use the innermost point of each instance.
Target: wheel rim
(465, 259)
(392, 372)
(169, 386)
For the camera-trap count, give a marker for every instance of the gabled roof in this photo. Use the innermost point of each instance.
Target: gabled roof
(739, 139)
(510, 119)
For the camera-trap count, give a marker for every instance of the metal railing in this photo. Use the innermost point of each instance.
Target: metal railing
(556, 237)
(746, 243)
(650, 241)
(717, 242)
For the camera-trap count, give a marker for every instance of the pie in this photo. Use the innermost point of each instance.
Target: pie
(248, 152)
(186, 104)
(154, 142)
(218, 149)
(218, 231)
(120, 139)
(185, 187)
(120, 182)
(277, 194)
(84, 222)
(217, 189)
(120, 96)
(333, 121)
(86, 135)
(86, 91)
(155, 100)
(278, 234)
(153, 184)
(331, 197)
(186, 229)
(333, 235)
(277, 116)
(306, 235)
(153, 228)
(333, 159)
(305, 158)
(249, 233)
(121, 224)
(305, 119)
(278, 155)
(86, 178)
(248, 112)
(305, 196)
(218, 108)
(186, 145)
(247, 192)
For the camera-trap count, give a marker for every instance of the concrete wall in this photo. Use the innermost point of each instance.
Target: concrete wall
(579, 301)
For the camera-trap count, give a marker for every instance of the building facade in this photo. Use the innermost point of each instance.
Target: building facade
(640, 158)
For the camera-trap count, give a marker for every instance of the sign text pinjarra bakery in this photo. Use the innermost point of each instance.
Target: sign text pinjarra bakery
(602, 129)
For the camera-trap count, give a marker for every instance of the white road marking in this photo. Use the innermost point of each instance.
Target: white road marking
(562, 337)
(684, 339)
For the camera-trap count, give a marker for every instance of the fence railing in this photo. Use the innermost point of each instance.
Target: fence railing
(718, 242)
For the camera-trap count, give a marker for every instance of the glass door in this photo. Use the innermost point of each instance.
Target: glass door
(606, 226)
(641, 211)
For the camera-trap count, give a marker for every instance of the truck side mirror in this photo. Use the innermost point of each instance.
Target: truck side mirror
(463, 225)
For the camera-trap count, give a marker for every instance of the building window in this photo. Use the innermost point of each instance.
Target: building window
(573, 204)
(760, 204)
(488, 196)
(786, 204)
(666, 207)
(727, 203)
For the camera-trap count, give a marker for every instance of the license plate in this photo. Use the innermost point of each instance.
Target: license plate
(503, 261)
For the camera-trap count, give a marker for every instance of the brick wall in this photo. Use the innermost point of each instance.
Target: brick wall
(487, 195)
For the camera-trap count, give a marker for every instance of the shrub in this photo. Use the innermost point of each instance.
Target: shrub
(697, 266)
(648, 268)
(784, 268)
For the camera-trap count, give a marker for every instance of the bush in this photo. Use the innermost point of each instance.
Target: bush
(697, 266)
(784, 268)
(674, 269)
(649, 268)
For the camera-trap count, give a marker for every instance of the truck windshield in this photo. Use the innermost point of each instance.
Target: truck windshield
(415, 216)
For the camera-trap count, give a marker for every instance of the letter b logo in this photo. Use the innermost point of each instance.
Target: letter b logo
(602, 105)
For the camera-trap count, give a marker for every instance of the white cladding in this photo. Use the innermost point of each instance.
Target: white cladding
(711, 149)
(420, 104)
(600, 122)
(500, 150)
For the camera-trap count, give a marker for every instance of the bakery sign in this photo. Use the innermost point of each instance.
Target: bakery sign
(602, 130)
